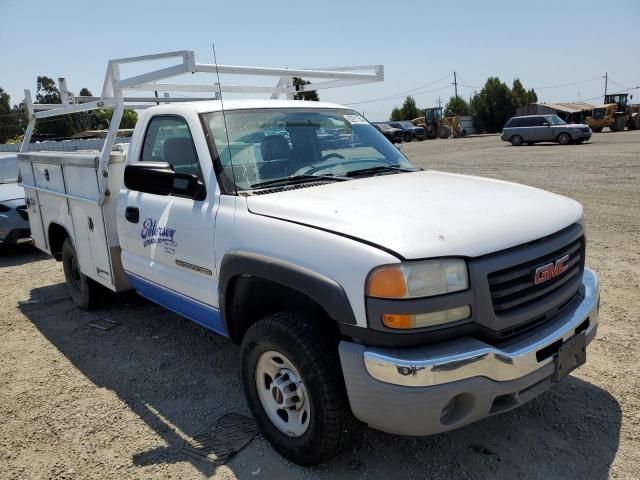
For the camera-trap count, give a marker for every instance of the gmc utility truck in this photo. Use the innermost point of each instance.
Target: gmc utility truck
(360, 288)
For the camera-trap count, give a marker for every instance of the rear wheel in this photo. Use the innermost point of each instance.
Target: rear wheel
(293, 383)
(635, 120)
(84, 292)
(407, 137)
(564, 139)
(516, 140)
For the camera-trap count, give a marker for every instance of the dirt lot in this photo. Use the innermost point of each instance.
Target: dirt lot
(79, 402)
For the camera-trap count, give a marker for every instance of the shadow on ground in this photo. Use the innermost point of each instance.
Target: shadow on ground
(16, 255)
(179, 379)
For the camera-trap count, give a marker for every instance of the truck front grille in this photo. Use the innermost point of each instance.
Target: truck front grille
(514, 288)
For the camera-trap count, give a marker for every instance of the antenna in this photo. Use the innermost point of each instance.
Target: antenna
(224, 117)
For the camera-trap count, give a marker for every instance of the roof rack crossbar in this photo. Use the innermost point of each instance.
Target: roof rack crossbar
(114, 86)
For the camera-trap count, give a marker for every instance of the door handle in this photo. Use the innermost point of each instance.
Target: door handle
(132, 214)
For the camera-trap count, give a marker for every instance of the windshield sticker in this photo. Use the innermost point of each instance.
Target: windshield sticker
(355, 119)
(153, 234)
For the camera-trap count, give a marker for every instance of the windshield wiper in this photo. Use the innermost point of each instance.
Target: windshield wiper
(378, 169)
(295, 179)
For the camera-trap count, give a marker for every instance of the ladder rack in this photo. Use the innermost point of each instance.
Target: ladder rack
(114, 86)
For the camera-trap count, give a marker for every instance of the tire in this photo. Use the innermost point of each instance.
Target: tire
(516, 140)
(309, 355)
(564, 138)
(620, 123)
(84, 292)
(444, 131)
(596, 129)
(407, 137)
(636, 121)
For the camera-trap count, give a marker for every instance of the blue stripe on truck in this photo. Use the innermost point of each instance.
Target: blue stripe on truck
(203, 314)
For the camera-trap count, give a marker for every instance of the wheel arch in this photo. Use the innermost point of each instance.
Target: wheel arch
(274, 285)
(561, 132)
(56, 235)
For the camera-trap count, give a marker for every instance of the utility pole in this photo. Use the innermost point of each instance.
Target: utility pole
(606, 77)
(455, 83)
(439, 102)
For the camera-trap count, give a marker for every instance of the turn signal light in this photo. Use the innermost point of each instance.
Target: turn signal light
(421, 320)
(387, 283)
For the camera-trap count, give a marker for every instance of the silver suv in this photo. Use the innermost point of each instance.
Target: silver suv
(543, 128)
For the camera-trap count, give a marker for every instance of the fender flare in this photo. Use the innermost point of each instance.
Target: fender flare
(326, 292)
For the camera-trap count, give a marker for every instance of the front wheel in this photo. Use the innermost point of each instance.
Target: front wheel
(294, 387)
(84, 291)
(407, 137)
(564, 139)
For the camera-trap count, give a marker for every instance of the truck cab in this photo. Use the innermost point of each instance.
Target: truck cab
(360, 288)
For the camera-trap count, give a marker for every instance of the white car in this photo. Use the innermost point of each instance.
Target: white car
(14, 220)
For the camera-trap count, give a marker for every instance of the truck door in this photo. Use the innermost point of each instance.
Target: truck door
(168, 241)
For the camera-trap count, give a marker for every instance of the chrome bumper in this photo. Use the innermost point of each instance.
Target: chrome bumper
(467, 358)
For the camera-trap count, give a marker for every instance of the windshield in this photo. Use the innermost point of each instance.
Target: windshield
(555, 120)
(9, 170)
(268, 145)
(407, 124)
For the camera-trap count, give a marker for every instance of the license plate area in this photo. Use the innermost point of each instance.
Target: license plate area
(570, 356)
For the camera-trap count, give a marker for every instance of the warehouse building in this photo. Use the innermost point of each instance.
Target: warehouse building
(573, 112)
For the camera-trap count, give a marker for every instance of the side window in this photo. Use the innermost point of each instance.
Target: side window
(514, 122)
(168, 139)
(528, 122)
(538, 121)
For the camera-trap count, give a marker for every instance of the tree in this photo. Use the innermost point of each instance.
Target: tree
(409, 110)
(310, 95)
(396, 114)
(456, 106)
(101, 118)
(85, 92)
(12, 120)
(64, 126)
(493, 106)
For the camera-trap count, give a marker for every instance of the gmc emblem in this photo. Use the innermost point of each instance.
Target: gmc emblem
(550, 270)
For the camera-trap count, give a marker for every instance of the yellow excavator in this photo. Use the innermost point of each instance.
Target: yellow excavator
(616, 114)
(437, 125)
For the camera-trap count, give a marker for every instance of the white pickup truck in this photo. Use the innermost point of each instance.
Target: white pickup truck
(360, 287)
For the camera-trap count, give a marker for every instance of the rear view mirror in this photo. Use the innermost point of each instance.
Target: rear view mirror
(159, 178)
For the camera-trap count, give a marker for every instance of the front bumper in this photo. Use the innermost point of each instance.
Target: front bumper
(426, 390)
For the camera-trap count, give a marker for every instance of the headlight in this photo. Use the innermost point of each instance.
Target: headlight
(418, 279)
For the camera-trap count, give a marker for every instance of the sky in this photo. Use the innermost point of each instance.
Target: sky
(562, 49)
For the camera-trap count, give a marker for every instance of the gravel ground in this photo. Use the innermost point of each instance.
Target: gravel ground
(78, 402)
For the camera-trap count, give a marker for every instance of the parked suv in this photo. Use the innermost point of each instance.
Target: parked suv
(543, 128)
(410, 130)
(393, 134)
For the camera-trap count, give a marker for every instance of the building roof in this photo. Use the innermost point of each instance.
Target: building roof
(569, 107)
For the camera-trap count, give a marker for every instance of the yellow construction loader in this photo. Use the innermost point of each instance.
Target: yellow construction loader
(616, 114)
(437, 125)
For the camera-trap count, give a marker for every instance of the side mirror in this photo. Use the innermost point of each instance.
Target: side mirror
(159, 178)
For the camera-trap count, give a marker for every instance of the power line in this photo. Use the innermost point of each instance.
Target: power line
(568, 84)
(401, 94)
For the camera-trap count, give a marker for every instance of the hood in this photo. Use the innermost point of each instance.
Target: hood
(10, 191)
(426, 214)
